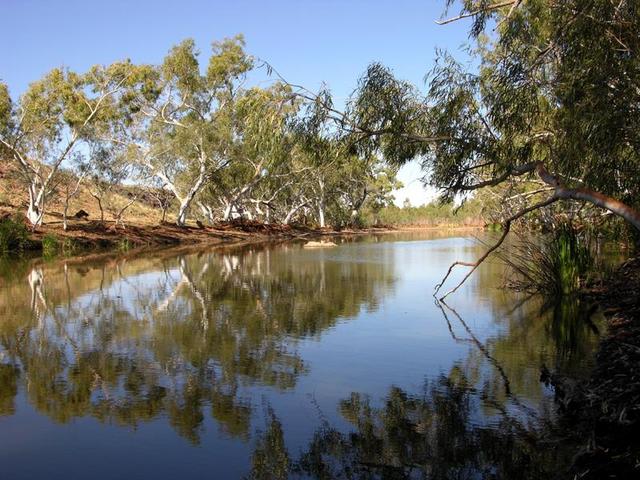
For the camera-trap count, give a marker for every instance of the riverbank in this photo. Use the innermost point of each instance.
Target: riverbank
(94, 235)
(84, 236)
(602, 413)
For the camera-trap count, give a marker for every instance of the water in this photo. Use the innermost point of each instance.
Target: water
(277, 361)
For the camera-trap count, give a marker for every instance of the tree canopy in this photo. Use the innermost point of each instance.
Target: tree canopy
(556, 92)
(199, 130)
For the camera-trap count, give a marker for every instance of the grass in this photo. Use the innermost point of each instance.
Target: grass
(50, 246)
(556, 266)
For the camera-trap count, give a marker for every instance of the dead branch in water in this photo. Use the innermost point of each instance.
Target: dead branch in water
(506, 227)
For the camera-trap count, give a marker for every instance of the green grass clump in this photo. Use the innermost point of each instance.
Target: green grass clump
(556, 266)
(124, 245)
(50, 245)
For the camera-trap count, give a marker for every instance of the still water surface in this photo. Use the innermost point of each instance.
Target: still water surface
(275, 362)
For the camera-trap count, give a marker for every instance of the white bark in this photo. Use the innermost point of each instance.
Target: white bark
(120, 213)
(207, 211)
(227, 211)
(184, 200)
(40, 181)
(321, 214)
(321, 204)
(292, 212)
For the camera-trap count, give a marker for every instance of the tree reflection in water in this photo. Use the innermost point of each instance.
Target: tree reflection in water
(183, 337)
(434, 435)
(127, 341)
(440, 434)
(458, 427)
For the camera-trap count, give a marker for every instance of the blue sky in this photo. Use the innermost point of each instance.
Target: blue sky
(307, 41)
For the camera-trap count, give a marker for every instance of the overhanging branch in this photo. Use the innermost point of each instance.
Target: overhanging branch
(506, 228)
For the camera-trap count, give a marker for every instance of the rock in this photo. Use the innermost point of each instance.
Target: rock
(322, 244)
(81, 214)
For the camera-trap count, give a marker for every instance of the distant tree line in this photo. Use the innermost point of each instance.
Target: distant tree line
(194, 136)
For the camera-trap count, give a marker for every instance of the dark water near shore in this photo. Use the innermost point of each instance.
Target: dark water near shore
(278, 362)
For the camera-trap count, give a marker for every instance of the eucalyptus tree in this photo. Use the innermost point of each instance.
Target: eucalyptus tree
(379, 187)
(284, 191)
(51, 119)
(322, 151)
(363, 181)
(68, 184)
(262, 147)
(108, 169)
(554, 103)
(185, 133)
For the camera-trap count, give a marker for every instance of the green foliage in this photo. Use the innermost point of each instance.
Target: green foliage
(557, 86)
(193, 129)
(229, 60)
(14, 235)
(6, 108)
(50, 245)
(431, 214)
(557, 266)
(124, 245)
(571, 260)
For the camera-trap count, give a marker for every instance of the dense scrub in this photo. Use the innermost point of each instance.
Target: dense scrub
(434, 214)
(13, 235)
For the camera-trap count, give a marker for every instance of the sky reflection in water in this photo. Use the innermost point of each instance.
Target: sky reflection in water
(275, 361)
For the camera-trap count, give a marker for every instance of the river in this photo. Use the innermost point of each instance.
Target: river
(278, 361)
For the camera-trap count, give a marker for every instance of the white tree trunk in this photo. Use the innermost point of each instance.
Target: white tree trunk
(292, 212)
(321, 213)
(207, 211)
(33, 214)
(185, 202)
(321, 206)
(182, 212)
(227, 212)
(65, 225)
(35, 209)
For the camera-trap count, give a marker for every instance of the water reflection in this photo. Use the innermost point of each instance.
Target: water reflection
(124, 342)
(434, 435)
(339, 358)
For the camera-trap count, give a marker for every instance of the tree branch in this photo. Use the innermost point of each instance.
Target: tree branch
(473, 13)
(585, 194)
(506, 228)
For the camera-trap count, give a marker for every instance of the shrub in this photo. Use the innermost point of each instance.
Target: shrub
(14, 235)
